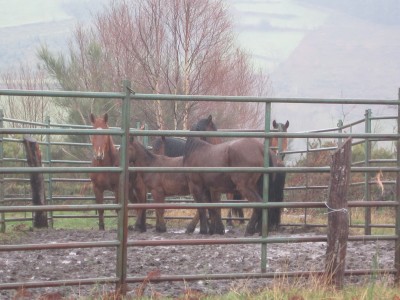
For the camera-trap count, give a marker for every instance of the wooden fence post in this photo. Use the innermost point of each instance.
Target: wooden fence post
(34, 159)
(338, 218)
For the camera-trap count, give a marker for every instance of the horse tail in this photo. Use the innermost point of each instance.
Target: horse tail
(275, 193)
(238, 211)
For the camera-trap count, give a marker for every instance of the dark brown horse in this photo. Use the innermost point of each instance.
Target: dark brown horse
(237, 153)
(174, 147)
(105, 154)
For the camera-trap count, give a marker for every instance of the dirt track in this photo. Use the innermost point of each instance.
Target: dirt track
(97, 262)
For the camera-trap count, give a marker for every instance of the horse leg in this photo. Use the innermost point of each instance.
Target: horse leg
(203, 220)
(253, 224)
(192, 225)
(216, 225)
(229, 221)
(235, 211)
(199, 196)
(140, 224)
(160, 222)
(137, 194)
(238, 211)
(251, 195)
(99, 200)
(240, 214)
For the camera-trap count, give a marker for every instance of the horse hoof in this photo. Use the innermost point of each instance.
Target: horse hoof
(249, 232)
(218, 231)
(161, 229)
(139, 229)
(190, 229)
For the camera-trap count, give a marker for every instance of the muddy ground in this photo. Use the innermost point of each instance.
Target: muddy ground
(50, 265)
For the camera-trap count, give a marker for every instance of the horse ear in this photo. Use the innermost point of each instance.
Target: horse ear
(286, 124)
(209, 119)
(274, 124)
(105, 117)
(92, 118)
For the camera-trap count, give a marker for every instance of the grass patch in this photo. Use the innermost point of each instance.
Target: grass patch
(63, 220)
(279, 290)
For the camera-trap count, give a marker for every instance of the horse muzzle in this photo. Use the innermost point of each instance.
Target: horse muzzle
(98, 155)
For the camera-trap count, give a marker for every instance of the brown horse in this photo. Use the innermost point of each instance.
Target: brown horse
(274, 145)
(280, 127)
(174, 147)
(164, 148)
(105, 154)
(243, 152)
(160, 185)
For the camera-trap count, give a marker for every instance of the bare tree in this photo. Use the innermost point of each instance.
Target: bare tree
(33, 109)
(183, 47)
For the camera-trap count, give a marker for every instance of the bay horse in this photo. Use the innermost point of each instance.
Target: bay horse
(173, 147)
(160, 185)
(166, 152)
(244, 152)
(105, 154)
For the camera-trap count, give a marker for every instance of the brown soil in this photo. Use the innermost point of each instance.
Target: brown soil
(50, 265)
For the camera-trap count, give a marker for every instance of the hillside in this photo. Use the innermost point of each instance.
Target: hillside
(346, 57)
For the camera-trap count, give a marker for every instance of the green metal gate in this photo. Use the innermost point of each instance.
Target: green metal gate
(121, 278)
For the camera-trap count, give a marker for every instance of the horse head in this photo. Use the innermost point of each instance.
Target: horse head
(100, 142)
(280, 127)
(132, 149)
(207, 124)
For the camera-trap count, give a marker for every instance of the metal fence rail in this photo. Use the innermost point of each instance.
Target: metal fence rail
(121, 244)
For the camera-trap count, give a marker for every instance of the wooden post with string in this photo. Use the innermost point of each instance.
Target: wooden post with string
(34, 159)
(338, 218)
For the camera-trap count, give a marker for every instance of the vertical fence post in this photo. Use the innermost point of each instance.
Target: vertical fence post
(49, 175)
(264, 227)
(338, 221)
(307, 179)
(367, 187)
(397, 246)
(2, 215)
(123, 194)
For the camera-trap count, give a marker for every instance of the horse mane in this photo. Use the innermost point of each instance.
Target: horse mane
(193, 143)
(149, 156)
(205, 124)
(173, 147)
(113, 152)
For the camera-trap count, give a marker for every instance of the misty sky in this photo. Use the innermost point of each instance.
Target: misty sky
(337, 61)
(269, 30)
